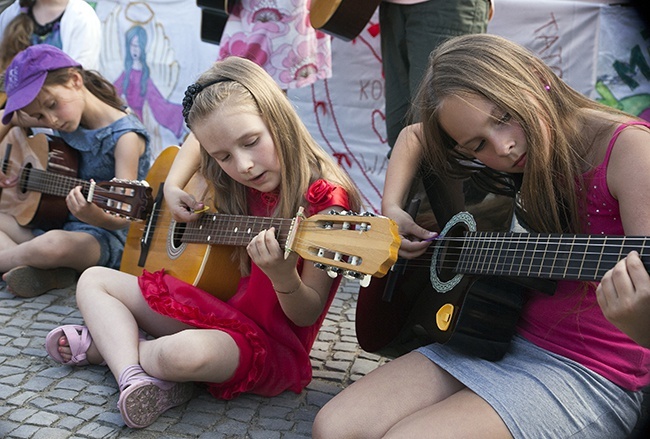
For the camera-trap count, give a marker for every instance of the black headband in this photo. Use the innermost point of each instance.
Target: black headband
(192, 91)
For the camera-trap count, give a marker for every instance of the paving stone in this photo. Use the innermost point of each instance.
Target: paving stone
(43, 399)
(51, 433)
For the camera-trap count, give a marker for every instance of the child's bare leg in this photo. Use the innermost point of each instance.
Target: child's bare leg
(113, 307)
(11, 233)
(204, 355)
(56, 248)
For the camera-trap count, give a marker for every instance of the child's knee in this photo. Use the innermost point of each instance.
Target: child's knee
(184, 357)
(90, 281)
(326, 424)
(93, 275)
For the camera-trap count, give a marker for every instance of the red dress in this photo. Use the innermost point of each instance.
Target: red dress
(274, 352)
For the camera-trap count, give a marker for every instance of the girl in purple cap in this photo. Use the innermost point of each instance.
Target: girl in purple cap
(46, 88)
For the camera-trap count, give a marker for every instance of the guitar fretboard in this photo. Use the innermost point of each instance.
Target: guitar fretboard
(235, 230)
(547, 256)
(50, 183)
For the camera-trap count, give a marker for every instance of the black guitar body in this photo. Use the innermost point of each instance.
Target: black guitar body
(491, 308)
(398, 313)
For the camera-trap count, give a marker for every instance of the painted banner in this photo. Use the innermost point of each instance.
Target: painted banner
(152, 51)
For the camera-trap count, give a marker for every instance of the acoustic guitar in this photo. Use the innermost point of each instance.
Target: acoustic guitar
(397, 313)
(344, 19)
(214, 16)
(47, 170)
(462, 254)
(200, 252)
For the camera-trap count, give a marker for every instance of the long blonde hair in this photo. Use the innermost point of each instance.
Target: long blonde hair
(244, 84)
(241, 83)
(550, 113)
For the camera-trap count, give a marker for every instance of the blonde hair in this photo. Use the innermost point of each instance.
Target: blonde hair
(550, 113)
(241, 83)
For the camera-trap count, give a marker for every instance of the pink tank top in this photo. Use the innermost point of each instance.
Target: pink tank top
(570, 323)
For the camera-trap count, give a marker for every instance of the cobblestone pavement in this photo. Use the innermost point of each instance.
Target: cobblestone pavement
(44, 400)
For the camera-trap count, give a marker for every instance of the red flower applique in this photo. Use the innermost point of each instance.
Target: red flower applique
(319, 195)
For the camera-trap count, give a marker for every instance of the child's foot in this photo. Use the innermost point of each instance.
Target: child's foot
(28, 281)
(144, 398)
(72, 345)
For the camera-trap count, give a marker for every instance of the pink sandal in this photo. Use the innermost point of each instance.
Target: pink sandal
(144, 398)
(79, 340)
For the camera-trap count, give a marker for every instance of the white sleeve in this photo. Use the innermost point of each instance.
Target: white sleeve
(81, 34)
(7, 15)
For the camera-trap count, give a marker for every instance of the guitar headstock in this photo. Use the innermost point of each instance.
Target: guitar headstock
(349, 244)
(131, 199)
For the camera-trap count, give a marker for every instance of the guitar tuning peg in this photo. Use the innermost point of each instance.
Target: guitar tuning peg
(349, 274)
(320, 265)
(333, 272)
(365, 281)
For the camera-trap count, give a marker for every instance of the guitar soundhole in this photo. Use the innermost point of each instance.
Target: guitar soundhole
(179, 229)
(175, 245)
(23, 182)
(450, 252)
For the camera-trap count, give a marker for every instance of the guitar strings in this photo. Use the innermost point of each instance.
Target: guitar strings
(240, 229)
(51, 183)
(548, 240)
(247, 226)
(540, 260)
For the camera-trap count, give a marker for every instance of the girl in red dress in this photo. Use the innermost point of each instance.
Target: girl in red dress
(261, 161)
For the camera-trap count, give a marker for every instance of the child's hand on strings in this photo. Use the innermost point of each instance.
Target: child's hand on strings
(415, 239)
(183, 206)
(8, 181)
(80, 207)
(624, 297)
(265, 251)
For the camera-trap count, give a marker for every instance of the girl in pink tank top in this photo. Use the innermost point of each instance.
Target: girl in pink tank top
(489, 107)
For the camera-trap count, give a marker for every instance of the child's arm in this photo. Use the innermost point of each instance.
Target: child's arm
(402, 168)
(4, 129)
(185, 165)
(302, 297)
(624, 293)
(5, 180)
(128, 150)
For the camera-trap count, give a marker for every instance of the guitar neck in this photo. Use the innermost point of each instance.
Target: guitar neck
(237, 230)
(545, 256)
(50, 183)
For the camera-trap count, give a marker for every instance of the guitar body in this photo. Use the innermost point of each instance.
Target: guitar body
(31, 208)
(400, 312)
(209, 267)
(389, 326)
(344, 19)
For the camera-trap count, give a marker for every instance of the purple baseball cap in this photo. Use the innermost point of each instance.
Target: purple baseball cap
(26, 75)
